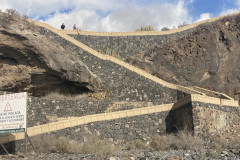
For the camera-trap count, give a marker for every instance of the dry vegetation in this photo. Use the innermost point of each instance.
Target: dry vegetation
(145, 28)
(110, 51)
(165, 29)
(106, 147)
(92, 145)
(136, 144)
(220, 143)
(14, 13)
(103, 95)
(56, 95)
(22, 19)
(180, 141)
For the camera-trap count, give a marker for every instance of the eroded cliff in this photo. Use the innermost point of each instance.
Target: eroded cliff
(31, 62)
(207, 56)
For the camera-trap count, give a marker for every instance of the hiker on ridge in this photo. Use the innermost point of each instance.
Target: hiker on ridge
(74, 27)
(62, 26)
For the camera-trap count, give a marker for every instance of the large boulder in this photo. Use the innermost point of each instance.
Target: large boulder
(31, 62)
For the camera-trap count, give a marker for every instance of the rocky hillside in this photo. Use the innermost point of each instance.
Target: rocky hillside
(207, 56)
(31, 62)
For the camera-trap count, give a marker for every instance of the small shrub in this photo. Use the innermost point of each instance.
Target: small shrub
(145, 28)
(116, 55)
(111, 52)
(161, 142)
(165, 29)
(180, 141)
(44, 143)
(234, 143)
(56, 95)
(62, 145)
(22, 19)
(182, 25)
(185, 140)
(218, 143)
(98, 95)
(94, 145)
(213, 154)
(14, 13)
(136, 144)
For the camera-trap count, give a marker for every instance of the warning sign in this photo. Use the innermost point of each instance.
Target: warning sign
(13, 112)
(8, 108)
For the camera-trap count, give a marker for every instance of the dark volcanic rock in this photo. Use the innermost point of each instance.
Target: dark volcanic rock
(207, 56)
(31, 62)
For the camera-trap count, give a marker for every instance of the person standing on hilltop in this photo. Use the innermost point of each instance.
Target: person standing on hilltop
(74, 27)
(62, 26)
(78, 30)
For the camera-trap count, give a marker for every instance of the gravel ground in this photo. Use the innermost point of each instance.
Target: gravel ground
(138, 155)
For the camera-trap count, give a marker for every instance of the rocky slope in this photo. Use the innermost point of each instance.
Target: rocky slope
(137, 155)
(31, 62)
(208, 56)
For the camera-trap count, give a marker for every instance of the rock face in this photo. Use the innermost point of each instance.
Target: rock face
(31, 62)
(208, 56)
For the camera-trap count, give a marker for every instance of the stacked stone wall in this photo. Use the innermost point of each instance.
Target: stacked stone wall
(122, 84)
(191, 113)
(121, 130)
(206, 117)
(210, 120)
(126, 46)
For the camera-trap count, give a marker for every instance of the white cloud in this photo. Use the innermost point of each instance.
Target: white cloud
(104, 15)
(166, 15)
(230, 11)
(204, 16)
(227, 11)
(85, 19)
(4, 5)
(40, 8)
(125, 19)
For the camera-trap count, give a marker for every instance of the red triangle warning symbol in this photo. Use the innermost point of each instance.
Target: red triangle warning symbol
(8, 107)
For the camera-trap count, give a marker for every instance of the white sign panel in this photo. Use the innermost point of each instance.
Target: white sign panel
(13, 112)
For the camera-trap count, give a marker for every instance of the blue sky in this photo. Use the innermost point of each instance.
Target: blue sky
(121, 15)
(214, 7)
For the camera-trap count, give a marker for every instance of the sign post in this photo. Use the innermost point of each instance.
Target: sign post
(13, 113)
